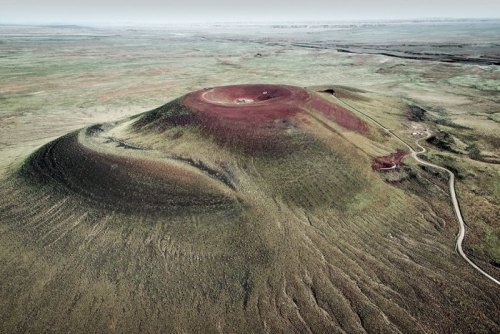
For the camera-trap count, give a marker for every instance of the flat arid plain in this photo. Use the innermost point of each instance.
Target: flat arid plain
(273, 178)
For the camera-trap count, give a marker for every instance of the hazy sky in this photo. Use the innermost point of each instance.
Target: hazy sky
(168, 11)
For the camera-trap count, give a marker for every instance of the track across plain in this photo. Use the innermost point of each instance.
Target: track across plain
(456, 206)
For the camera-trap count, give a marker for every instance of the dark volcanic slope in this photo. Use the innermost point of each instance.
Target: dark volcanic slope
(117, 181)
(250, 208)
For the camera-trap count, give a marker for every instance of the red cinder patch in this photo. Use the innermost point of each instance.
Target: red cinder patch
(252, 117)
(255, 117)
(341, 116)
(249, 104)
(389, 162)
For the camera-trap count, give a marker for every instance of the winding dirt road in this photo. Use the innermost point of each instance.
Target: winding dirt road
(456, 206)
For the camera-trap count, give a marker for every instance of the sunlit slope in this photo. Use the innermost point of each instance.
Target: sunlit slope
(247, 208)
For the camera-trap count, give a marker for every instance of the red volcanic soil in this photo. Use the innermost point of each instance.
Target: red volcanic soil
(251, 117)
(338, 114)
(260, 104)
(247, 104)
(389, 161)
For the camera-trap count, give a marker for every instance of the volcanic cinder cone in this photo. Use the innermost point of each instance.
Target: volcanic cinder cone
(249, 208)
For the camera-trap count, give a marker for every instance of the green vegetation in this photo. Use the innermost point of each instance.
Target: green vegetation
(474, 152)
(416, 113)
(449, 123)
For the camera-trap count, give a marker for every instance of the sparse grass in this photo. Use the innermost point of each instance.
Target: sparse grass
(449, 123)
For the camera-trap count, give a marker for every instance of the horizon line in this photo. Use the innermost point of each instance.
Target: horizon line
(236, 22)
